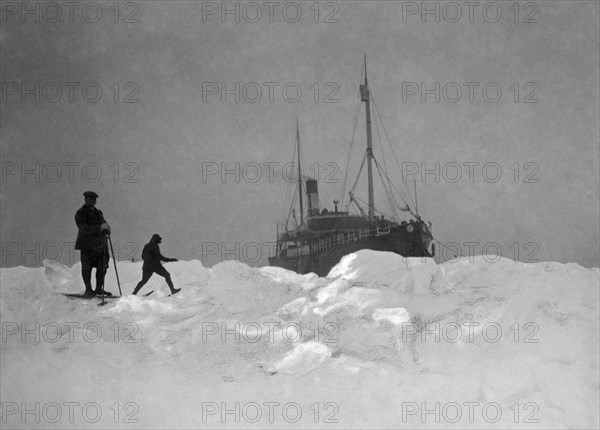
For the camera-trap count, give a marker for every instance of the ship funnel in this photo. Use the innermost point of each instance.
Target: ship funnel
(312, 189)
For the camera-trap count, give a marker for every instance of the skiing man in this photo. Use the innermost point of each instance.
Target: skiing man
(152, 258)
(91, 241)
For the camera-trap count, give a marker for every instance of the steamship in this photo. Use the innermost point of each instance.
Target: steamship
(321, 237)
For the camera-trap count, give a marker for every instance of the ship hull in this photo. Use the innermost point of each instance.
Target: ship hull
(320, 259)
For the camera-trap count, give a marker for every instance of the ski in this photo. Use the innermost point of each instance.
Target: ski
(147, 294)
(83, 296)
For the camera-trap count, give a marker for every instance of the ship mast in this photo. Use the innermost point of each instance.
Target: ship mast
(416, 204)
(364, 95)
(299, 173)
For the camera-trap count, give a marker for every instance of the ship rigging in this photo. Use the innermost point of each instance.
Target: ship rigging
(320, 238)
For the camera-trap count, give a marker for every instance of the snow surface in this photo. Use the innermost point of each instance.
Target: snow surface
(268, 348)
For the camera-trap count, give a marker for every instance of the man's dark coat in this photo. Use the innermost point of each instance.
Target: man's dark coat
(90, 238)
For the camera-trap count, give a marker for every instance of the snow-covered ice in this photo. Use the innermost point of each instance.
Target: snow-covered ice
(382, 342)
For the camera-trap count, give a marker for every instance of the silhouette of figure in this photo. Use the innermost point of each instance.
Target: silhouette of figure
(92, 230)
(152, 258)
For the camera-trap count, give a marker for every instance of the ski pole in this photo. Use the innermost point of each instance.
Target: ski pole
(115, 263)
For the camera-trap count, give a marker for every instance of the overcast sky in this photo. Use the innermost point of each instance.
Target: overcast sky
(150, 141)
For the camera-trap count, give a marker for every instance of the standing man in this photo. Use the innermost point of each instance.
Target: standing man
(152, 258)
(91, 241)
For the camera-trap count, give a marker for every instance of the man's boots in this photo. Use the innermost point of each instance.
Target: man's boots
(138, 287)
(99, 292)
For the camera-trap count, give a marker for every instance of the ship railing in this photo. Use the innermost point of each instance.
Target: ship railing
(349, 237)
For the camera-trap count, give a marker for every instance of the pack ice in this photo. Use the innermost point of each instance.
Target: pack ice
(382, 342)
